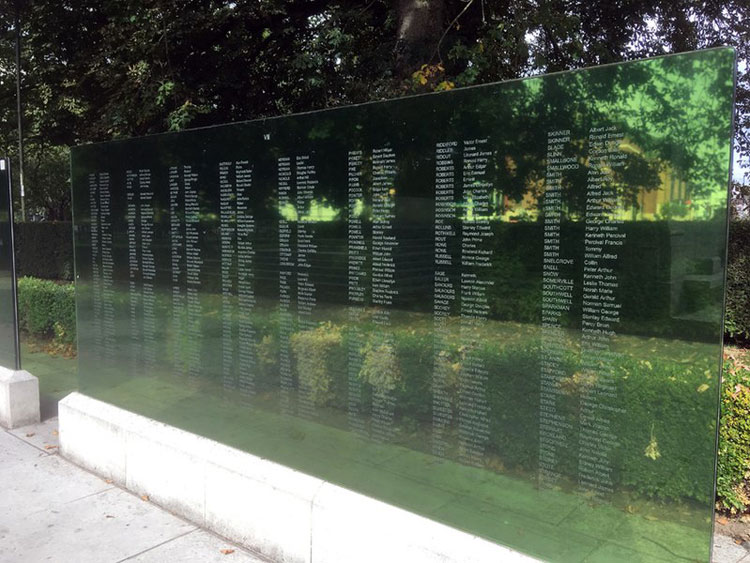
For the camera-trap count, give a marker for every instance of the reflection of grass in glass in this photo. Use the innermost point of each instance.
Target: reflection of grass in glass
(558, 524)
(500, 501)
(404, 472)
(57, 374)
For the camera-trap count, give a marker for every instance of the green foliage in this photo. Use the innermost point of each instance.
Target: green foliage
(380, 367)
(112, 69)
(410, 375)
(664, 405)
(513, 394)
(737, 323)
(108, 69)
(46, 182)
(44, 250)
(673, 210)
(315, 352)
(657, 406)
(734, 438)
(47, 310)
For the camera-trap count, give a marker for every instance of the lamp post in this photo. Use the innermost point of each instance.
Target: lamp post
(19, 108)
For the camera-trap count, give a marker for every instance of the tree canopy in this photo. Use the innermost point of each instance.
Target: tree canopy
(96, 70)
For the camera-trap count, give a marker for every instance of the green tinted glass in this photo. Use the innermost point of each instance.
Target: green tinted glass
(499, 307)
(9, 354)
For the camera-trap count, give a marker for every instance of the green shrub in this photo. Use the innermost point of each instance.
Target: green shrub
(415, 357)
(734, 438)
(380, 366)
(317, 351)
(658, 406)
(666, 407)
(44, 250)
(46, 309)
(738, 280)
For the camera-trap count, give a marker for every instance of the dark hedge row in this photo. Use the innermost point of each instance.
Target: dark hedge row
(45, 250)
(670, 394)
(46, 309)
(657, 407)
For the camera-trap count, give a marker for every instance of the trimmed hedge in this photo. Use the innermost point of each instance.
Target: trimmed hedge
(46, 309)
(658, 406)
(45, 250)
(733, 468)
(737, 324)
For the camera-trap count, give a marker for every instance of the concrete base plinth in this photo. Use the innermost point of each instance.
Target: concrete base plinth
(19, 398)
(271, 509)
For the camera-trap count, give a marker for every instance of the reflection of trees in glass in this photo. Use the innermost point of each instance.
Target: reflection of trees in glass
(669, 109)
(673, 111)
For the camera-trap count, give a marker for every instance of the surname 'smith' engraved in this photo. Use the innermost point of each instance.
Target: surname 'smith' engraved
(557, 300)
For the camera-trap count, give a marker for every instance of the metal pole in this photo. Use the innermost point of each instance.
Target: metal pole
(19, 109)
(5, 164)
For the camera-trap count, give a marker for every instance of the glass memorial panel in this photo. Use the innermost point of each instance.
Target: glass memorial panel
(10, 356)
(499, 307)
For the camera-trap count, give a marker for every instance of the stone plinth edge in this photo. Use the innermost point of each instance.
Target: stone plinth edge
(19, 398)
(284, 514)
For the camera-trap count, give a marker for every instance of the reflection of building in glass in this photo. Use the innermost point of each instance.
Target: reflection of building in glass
(673, 197)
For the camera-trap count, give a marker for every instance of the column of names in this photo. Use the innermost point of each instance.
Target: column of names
(243, 174)
(193, 263)
(384, 244)
(148, 269)
(177, 244)
(357, 291)
(286, 282)
(445, 290)
(135, 283)
(96, 270)
(603, 239)
(228, 243)
(187, 263)
(107, 267)
(557, 297)
(476, 261)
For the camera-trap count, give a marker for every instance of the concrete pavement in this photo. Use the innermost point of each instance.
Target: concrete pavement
(727, 551)
(52, 510)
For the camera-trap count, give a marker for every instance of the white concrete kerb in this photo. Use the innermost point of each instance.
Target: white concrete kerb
(277, 511)
(19, 398)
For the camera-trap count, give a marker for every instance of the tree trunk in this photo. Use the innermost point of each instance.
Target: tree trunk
(420, 25)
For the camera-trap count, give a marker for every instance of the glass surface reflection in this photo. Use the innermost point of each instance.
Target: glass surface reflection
(499, 307)
(9, 352)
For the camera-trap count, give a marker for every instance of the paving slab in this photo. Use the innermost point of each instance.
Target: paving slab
(52, 510)
(43, 435)
(727, 551)
(14, 450)
(47, 482)
(106, 526)
(198, 546)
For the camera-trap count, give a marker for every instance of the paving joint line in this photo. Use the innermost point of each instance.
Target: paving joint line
(131, 557)
(109, 488)
(45, 452)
